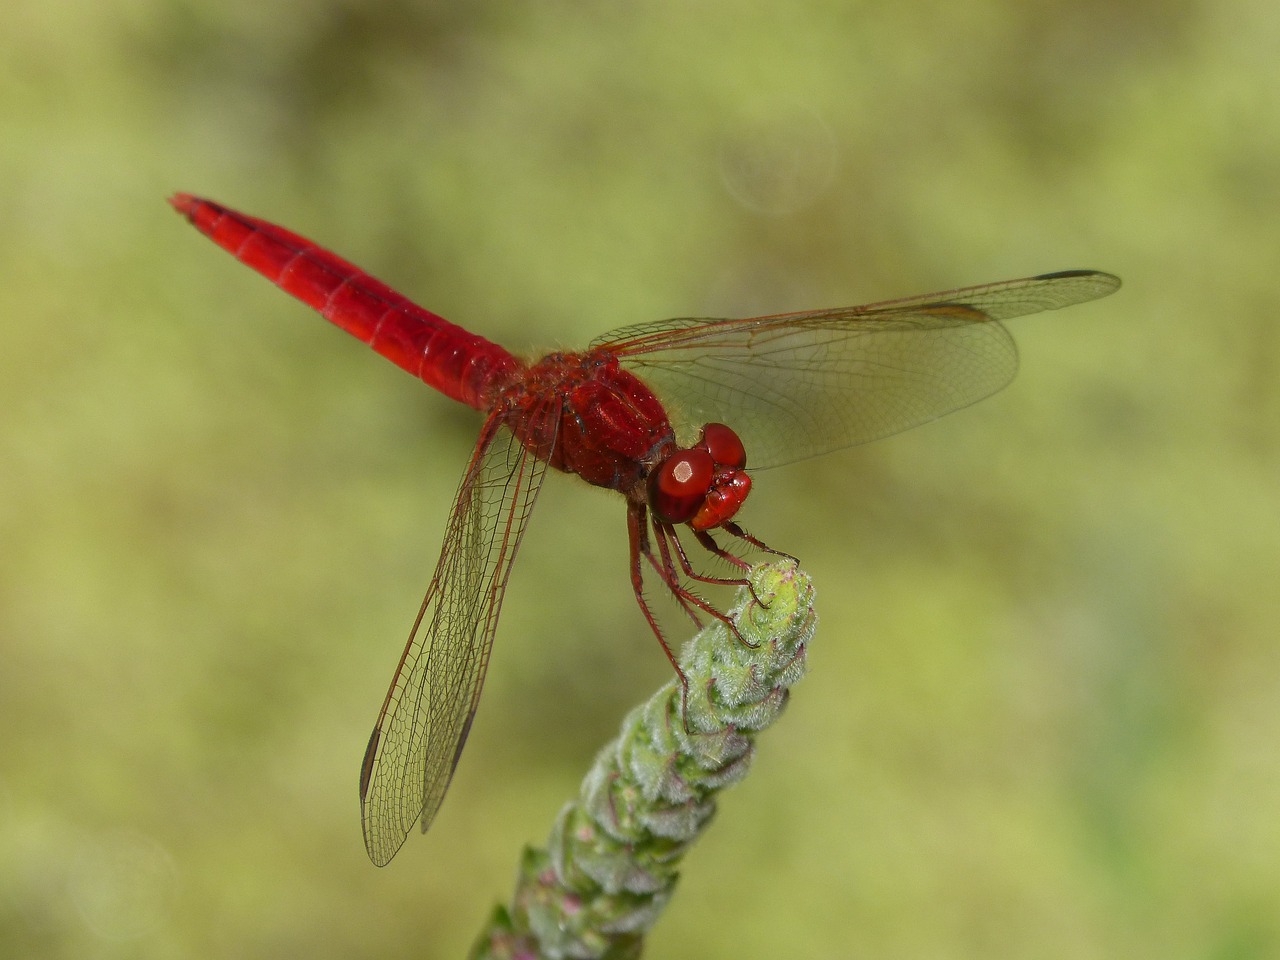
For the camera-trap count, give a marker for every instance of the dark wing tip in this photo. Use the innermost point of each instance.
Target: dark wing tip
(366, 766)
(1105, 281)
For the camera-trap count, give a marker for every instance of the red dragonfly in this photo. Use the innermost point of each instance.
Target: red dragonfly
(793, 385)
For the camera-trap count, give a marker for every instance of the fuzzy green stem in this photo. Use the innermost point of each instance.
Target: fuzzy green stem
(610, 864)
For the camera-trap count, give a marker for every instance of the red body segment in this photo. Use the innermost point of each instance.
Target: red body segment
(459, 364)
(611, 429)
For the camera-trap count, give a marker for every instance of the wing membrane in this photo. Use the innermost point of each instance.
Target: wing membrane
(427, 714)
(800, 384)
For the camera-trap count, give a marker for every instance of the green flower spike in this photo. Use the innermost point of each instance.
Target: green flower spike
(611, 861)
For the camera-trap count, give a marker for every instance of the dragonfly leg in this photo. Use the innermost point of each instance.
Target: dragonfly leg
(737, 531)
(741, 534)
(668, 539)
(710, 545)
(671, 580)
(663, 533)
(638, 537)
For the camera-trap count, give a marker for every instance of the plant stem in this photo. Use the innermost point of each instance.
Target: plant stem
(610, 864)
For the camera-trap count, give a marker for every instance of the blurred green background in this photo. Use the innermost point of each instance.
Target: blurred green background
(1044, 713)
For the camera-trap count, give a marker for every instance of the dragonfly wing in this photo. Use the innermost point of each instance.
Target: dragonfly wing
(800, 384)
(427, 714)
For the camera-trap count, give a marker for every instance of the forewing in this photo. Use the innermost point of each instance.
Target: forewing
(800, 384)
(428, 711)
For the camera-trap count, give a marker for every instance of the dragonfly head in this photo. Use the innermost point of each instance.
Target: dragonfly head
(704, 485)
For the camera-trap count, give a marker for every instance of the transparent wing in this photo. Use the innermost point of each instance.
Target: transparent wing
(800, 384)
(428, 711)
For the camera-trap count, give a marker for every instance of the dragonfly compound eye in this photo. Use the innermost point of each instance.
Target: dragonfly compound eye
(723, 444)
(679, 486)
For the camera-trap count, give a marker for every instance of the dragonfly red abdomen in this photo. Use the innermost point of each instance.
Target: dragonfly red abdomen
(458, 363)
